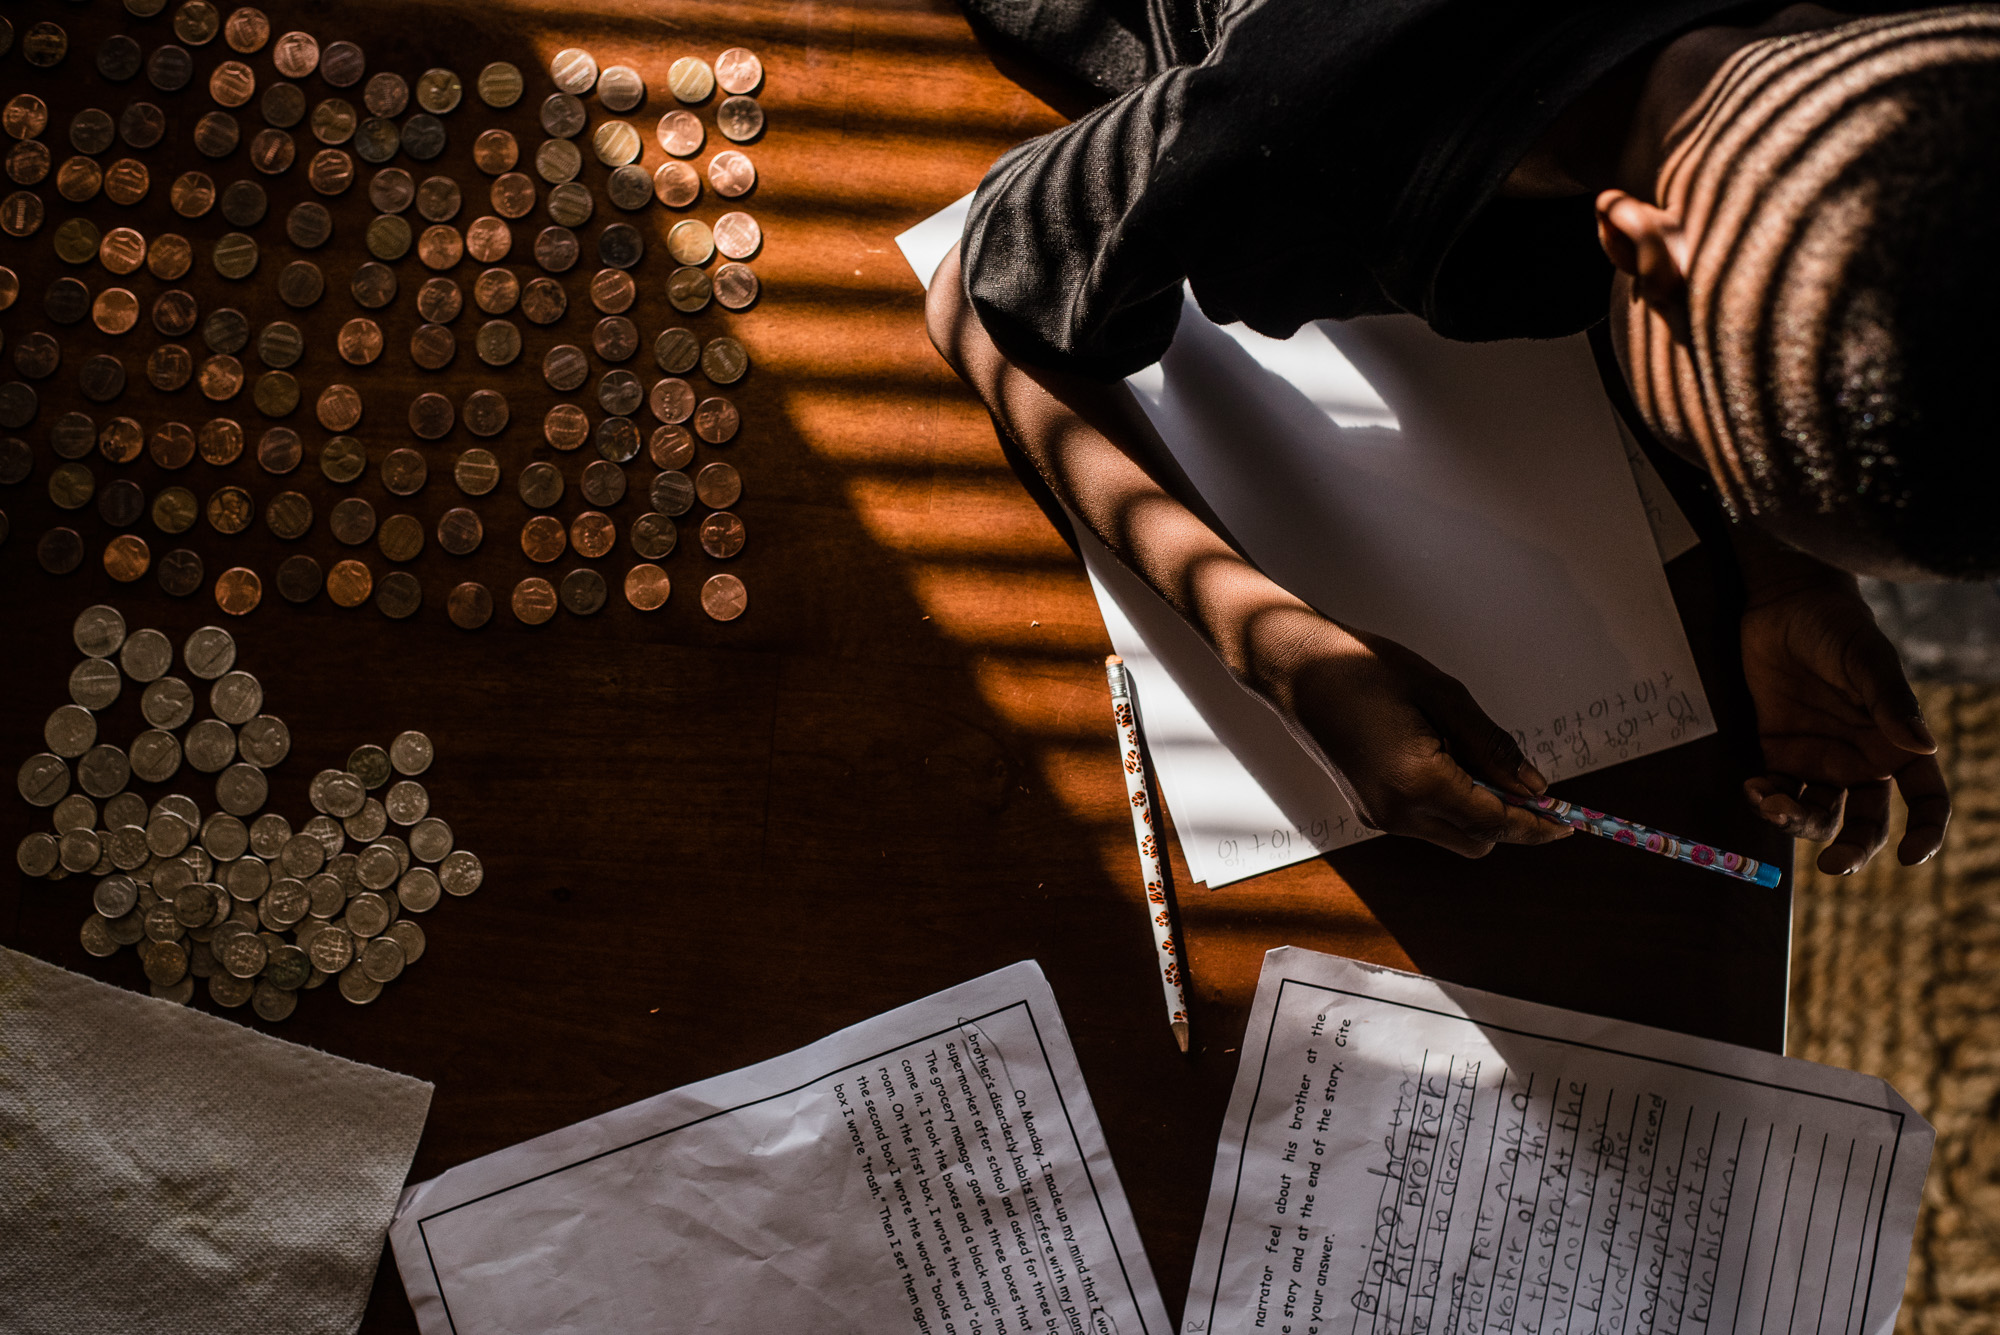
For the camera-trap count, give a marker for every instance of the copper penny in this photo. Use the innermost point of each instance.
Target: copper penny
(647, 587)
(738, 236)
(691, 79)
(386, 95)
(495, 151)
(404, 472)
(400, 538)
(736, 286)
(544, 301)
(276, 394)
(676, 184)
(229, 510)
(273, 152)
(731, 174)
(558, 160)
(615, 338)
(439, 91)
(169, 68)
(433, 346)
(196, 22)
(238, 591)
(620, 88)
(174, 313)
(534, 601)
(488, 240)
(79, 180)
(232, 84)
(571, 204)
(20, 214)
(653, 536)
(61, 550)
(246, 30)
(175, 510)
(592, 534)
(496, 291)
(724, 598)
(25, 116)
(688, 290)
(718, 486)
(289, 515)
(283, 105)
(121, 441)
(500, 85)
(142, 125)
(171, 446)
(470, 606)
(119, 58)
(349, 583)
(485, 412)
(37, 355)
(724, 361)
(343, 459)
(556, 249)
(220, 442)
(513, 196)
(92, 131)
(234, 256)
(477, 472)
(716, 420)
(613, 291)
(566, 427)
(296, 55)
(603, 485)
(677, 351)
(440, 247)
(738, 70)
(672, 447)
(301, 284)
(620, 392)
(672, 493)
(616, 143)
(389, 237)
(280, 344)
(565, 368)
(439, 300)
(620, 246)
(630, 188)
(331, 172)
(217, 134)
(376, 140)
(438, 199)
(722, 535)
(67, 301)
(244, 203)
(127, 557)
(543, 539)
(71, 486)
(339, 407)
(28, 162)
(121, 502)
(392, 190)
(541, 486)
(101, 378)
(563, 116)
(359, 342)
(672, 400)
(399, 595)
(741, 119)
(431, 416)
(115, 311)
(459, 531)
(680, 133)
(498, 343)
(583, 592)
(342, 64)
(179, 572)
(72, 435)
(618, 440)
(170, 257)
(279, 450)
(374, 285)
(352, 521)
(299, 578)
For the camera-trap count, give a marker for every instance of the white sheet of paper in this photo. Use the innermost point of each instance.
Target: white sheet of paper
(1473, 501)
(938, 1169)
(1402, 1155)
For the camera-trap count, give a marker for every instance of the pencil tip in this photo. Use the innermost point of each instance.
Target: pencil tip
(1181, 1033)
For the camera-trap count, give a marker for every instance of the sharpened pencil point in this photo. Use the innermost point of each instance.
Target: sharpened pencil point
(1180, 1028)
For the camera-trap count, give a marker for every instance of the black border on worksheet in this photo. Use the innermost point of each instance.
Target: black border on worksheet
(438, 1283)
(1250, 1117)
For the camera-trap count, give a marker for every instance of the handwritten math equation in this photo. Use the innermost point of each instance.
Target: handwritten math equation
(1652, 713)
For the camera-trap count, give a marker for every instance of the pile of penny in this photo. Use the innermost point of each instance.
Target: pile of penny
(278, 111)
(234, 896)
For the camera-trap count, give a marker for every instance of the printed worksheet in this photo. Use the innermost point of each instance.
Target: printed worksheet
(937, 1170)
(1402, 1156)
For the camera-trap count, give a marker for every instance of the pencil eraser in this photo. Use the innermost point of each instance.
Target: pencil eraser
(1768, 875)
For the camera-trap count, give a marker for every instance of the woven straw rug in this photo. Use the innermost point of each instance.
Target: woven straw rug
(1897, 972)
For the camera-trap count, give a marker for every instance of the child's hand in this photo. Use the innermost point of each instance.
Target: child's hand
(1403, 740)
(1838, 722)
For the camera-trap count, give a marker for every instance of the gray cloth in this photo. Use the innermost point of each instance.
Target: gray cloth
(164, 1170)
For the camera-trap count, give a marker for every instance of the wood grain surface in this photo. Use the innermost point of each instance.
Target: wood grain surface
(708, 844)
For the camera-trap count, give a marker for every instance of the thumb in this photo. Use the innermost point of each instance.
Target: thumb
(1876, 673)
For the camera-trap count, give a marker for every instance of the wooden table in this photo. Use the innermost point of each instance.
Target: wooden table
(707, 844)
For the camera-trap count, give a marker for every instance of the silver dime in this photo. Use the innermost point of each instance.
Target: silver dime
(156, 755)
(211, 746)
(70, 731)
(125, 809)
(411, 753)
(36, 855)
(382, 959)
(78, 850)
(366, 825)
(368, 913)
(303, 856)
(104, 770)
(271, 1002)
(407, 802)
(284, 903)
(264, 741)
(430, 839)
(370, 764)
(75, 812)
(244, 956)
(241, 789)
(247, 879)
(179, 804)
(236, 697)
(146, 655)
(225, 837)
(95, 684)
(347, 870)
(329, 833)
(332, 949)
(210, 652)
(167, 703)
(289, 967)
(166, 835)
(172, 876)
(128, 846)
(328, 896)
(268, 834)
(357, 987)
(461, 873)
(44, 779)
(418, 890)
(409, 936)
(337, 793)
(99, 631)
(377, 867)
(115, 896)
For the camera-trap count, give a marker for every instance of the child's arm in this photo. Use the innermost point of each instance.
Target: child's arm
(1402, 739)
